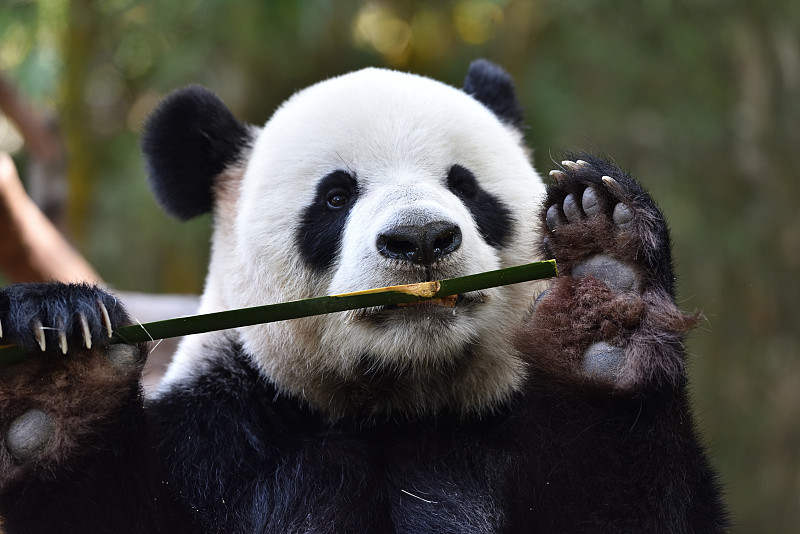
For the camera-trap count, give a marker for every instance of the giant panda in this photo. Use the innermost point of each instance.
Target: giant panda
(553, 407)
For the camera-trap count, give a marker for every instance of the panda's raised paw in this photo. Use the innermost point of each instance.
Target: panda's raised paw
(609, 320)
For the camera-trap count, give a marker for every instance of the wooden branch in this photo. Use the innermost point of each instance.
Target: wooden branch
(31, 248)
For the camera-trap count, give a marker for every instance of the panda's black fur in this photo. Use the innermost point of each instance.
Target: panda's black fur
(589, 429)
(195, 123)
(492, 217)
(320, 230)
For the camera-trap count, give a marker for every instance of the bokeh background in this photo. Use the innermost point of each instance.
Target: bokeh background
(698, 98)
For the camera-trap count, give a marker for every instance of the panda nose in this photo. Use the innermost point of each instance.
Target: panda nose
(420, 244)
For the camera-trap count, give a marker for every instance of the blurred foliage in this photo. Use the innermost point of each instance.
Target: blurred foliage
(698, 98)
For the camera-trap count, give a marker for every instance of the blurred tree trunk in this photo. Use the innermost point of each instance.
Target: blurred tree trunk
(80, 41)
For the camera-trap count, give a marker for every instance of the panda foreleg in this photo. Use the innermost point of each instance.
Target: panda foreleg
(605, 344)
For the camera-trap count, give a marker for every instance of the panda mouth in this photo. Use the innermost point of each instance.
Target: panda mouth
(445, 307)
(444, 302)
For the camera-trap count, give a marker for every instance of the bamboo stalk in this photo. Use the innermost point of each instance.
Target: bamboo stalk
(404, 294)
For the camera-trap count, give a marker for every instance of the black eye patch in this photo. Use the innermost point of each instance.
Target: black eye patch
(319, 235)
(491, 215)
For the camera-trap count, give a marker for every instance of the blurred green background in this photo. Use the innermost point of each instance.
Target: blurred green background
(698, 98)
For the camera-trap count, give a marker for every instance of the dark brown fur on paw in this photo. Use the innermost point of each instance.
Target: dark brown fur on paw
(573, 315)
(54, 410)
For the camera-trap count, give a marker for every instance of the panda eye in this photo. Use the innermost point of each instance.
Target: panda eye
(462, 182)
(337, 199)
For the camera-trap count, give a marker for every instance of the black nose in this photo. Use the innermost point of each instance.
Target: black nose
(421, 244)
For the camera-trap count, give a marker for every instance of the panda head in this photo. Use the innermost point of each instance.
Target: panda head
(370, 179)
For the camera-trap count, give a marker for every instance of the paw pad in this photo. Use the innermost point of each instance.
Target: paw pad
(614, 273)
(591, 202)
(30, 434)
(603, 361)
(622, 216)
(123, 356)
(571, 209)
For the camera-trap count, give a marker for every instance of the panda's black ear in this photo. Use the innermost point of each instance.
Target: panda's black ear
(493, 87)
(189, 139)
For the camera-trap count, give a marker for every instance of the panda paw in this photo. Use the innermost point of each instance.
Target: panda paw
(58, 318)
(54, 403)
(610, 319)
(599, 221)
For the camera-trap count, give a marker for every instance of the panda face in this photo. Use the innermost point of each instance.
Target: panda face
(372, 179)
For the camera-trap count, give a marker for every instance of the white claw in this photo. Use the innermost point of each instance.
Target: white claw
(609, 181)
(558, 175)
(106, 318)
(62, 337)
(62, 341)
(571, 165)
(1, 329)
(87, 335)
(582, 163)
(39, 332)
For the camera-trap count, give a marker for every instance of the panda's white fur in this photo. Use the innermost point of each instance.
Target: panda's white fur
(398, 134)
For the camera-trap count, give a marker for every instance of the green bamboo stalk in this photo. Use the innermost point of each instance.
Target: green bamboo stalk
(404, 294)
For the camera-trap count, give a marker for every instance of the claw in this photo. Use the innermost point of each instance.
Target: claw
(558, 175)
(39, 333)
(106, 318)
(609, 181)
(62, 341)
(571, 165)
(62, 337)
(1, 329)
(87, 335)
(583, 163)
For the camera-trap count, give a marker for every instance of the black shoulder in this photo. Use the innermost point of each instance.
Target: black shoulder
(493, 87)
(189, 139)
